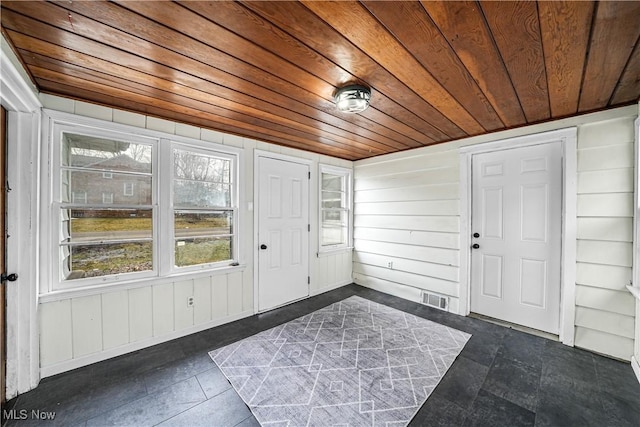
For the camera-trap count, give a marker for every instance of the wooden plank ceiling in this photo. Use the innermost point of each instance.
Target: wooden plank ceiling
(439, 71)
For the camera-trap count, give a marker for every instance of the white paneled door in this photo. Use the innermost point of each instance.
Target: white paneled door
(516, 235)
(283, 234)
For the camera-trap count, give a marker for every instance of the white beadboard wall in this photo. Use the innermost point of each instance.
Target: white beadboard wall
(77, 331)
(407, 211)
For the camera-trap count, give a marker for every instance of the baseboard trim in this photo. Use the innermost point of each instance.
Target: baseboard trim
(67, 365)
(315, 292)
(636, 367)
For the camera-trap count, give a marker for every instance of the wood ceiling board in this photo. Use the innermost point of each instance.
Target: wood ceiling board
(524, 61)
(614, 34)
(410, 24)
(463, 25)
(629, 86)
(565, 30)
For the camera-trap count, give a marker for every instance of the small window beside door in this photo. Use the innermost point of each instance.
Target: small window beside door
(335, 208)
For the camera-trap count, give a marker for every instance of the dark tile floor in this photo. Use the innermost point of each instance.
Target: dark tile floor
(502, 378)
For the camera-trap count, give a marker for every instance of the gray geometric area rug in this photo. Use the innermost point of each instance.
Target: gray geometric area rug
(353, 363)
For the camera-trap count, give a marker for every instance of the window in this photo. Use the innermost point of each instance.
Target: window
(97, 237)
(107, 175)
(335, 208)
(203, 208)
(128, 189)
(107, 197)
(78, 197)
(116, 230)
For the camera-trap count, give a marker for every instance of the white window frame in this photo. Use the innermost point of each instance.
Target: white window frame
(234, 208)
(164, 270)
(107, 175)
(348, 175)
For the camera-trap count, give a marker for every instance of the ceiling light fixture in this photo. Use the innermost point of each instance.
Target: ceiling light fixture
(352, 98)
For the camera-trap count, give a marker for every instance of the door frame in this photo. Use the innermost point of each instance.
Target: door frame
(256, 212)
(19, 98)
(568, 139)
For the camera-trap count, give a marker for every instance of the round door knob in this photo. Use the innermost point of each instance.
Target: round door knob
(476, 235)
(263, 246)
(475, 246)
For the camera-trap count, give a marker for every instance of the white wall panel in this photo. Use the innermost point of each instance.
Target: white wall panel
(163, 305)
(604, 321)
(604, 343)
(56, 341)
(115, 319)
(606, 157)
(140, 313)
(202, 300)
(604, 276)
(605, 204)
(234, 293)
(439, 271)
(219, 297)
(419, 253)
(450, 224)
(86, 318)
(606, 181)
(422, 207)
(605, 300)
(432, 160)
(442, 175)
(605, 229)
(409, 237)
(419, 192)
(608, 253)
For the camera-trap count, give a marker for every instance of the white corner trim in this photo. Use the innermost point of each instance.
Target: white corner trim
(636, 367)
(568, 139)
(17, 95)
(70, 364)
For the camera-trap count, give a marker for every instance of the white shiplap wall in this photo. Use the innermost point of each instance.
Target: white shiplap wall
(605, 310)
(79, 330)
(407, 225)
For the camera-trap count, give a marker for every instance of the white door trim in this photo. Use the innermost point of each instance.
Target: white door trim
(257, 154)
(568, 139)
(23, 163)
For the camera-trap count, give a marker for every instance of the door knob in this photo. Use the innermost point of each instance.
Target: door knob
(10, 277)
(475, 246)
(263, 246)
(476, 235)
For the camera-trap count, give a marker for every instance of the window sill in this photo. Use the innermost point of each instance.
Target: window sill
(330, 252)
(133, 284)
(635, 291)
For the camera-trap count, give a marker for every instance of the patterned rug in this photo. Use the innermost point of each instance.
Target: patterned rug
(353, 363)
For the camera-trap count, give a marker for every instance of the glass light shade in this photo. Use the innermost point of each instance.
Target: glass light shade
(352, 99)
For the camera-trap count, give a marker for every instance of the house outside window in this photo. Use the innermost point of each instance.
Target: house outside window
(335, 208)
(114, 231)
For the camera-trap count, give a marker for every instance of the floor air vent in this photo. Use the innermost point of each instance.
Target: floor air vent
(436, 301)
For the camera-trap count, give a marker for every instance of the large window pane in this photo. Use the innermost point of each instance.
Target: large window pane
(93, 184)
(332, 199)
(334, 227)
(201, 194)
(90, 152)
(82, 261)
(205, 223)
(202, 250)
(332, 182)
(99, 225)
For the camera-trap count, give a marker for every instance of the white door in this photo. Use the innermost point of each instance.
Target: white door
(516, 235)
(283, 236)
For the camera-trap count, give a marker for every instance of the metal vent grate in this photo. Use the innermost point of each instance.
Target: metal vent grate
(436, 301)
